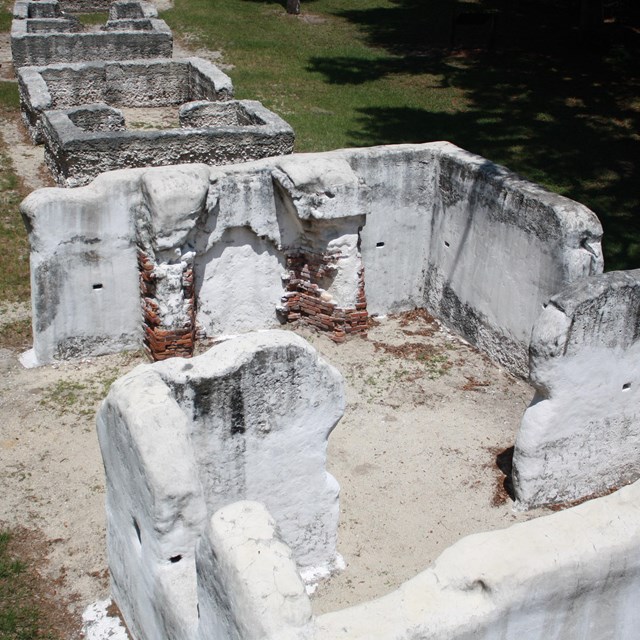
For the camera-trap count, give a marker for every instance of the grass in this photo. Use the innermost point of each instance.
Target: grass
(72, 397)
(92, 19)
(16, 335)
(14, 248)
(28, 611)
(556, 109)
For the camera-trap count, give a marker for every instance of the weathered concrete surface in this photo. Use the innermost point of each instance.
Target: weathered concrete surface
(248, 586)
(84, 297)
(85, 6)
(137, 83)
(483, 258)
(75, 155)
(131, 10)
(573, 575)
(581, 434)
(119, 10)
(24, 9)
(180, 439)
(58, 41)
(499, 248)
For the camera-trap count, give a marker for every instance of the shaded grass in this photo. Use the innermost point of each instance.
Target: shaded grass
(274, 56)
(9, 98)
(14, 247)
(545, 103)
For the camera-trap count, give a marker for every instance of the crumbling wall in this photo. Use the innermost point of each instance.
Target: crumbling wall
(36, 9)
(130, 83)
(500, 247)
(573, 575)
(84, 284)
(180, 439)
(75, 156)
(581, 434)
(253, 600)
(324, 281)
(58, 43)
(485, 269)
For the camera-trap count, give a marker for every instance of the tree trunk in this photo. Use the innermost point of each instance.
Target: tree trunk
(293, 6)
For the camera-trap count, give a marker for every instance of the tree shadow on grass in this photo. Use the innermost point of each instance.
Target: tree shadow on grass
(545, 103)
(282, 3)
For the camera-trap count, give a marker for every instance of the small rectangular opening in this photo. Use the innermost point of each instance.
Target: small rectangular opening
(626, 386)
(97, 286)
(446, 244)
(379, 244)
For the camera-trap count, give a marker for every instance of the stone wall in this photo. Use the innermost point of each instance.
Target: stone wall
(130, 83)
(75, 155)
(581, 434)
(486, 270)
(36, 9)
(60, 43)
(180, 439)
(85, 6)
(500, 246)
(573, 575)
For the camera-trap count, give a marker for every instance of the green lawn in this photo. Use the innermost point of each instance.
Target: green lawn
(557, 110)
(547, 105)
(30, 609)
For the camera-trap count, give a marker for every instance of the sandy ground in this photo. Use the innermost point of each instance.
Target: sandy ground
(415, 453)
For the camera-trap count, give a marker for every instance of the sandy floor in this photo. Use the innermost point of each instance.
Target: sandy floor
(415, 454)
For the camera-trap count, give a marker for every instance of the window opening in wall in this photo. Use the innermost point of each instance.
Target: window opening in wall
(379, 244)
(97, 286)
(174, 559)
(446, 244)
(626, 386)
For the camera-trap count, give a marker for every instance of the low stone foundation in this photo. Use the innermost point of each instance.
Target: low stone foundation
(85, 6)
(131, 83)
(24, 9)
(63, 39)
(76, 155)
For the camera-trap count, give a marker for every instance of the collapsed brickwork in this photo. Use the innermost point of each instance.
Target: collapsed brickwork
(167, 333)
(307, 301)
